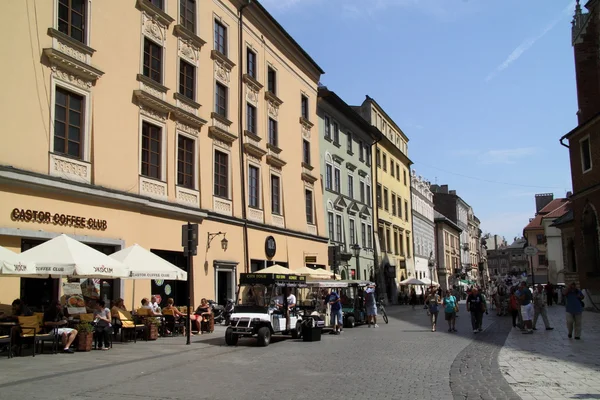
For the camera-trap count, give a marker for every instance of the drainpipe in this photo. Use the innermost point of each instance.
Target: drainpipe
(241, 130)
(561, 141)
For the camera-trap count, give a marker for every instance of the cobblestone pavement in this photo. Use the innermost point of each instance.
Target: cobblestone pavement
(400, 360)
(548, 365)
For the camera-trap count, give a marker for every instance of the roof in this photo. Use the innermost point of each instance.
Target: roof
(288, 36)
(580, 127)
(517, 244)
(554, 205)
(564, 219)
(372, 100)
(349, 112)
(442, 218)
(558, 212)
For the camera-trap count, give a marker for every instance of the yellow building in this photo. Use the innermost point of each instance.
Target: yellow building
(393, 198)
(136, 117)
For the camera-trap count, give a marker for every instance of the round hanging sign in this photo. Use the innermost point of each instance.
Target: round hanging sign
(270, 247)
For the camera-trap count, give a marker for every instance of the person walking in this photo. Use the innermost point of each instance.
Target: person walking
(539, 308)
(514, 307)
(450, 308)
(574, 299)
(484, 310)
(525, 298)
(371, 306)
(337, 317)
(413, 298)
(475, 307)
(549, 294)
(433, 303)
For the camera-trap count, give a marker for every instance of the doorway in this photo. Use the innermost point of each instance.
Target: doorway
(164, 289)
(225, 281)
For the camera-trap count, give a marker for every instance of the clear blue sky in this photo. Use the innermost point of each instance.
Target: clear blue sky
(484, 89)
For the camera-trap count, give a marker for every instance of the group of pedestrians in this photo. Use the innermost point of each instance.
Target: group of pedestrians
(435, 301)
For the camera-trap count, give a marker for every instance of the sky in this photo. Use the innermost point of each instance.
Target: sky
(484, 89)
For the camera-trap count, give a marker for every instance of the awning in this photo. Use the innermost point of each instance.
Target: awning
(64, 256)
(276, 269)
(143, 264)
(318, 273)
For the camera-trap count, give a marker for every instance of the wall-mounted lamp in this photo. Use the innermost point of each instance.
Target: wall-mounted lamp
(224, 241)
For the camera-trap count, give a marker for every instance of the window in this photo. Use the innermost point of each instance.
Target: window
(405, 210)
(388, 240)
(382, 238)
(275, 194)
(361, 151)
(328, 177)
(397, 252)
(362, 192)
(152, 60)
(540, 239)
(378, 196)
(221, 174)
(586, 157)
(220, 38)
(304, 107)
(384, 162)
(158, 3)
(187, 14)
(368, 194)
(185, 162)
(338, 228)
(386, 205)
(327, 128)
(253, 186)
(68, 123)
(251, 63)
(378, 157)
(349, 142)
(398, 171)
(393, 204)
(351, 186)
(363, 234)
(71, 18)
(401, 240)
(271, 80)
(352, 232)
(250, 118)
(306, 151)
(336, 133)
(221, 100)
(337, 178)
(407, 245)
(187, 77)
(369, 237)
(273, 135)
(331, 226)
(542, 259)
(309, 206)
(151, 150)
(368, 154)
(405, 180)
(392, 167)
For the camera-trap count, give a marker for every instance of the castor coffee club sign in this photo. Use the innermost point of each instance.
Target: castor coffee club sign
(44, 217)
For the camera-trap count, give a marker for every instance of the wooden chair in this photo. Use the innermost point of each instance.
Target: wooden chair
(31, 329)
(208, 325)
(86, 317)
(6, 340)
(130, 325)
(176, 326)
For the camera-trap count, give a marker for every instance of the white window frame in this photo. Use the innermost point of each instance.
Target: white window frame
(250, 46)
(87, 109)
(587, 137)
(88, 20)
(312, 195)
(163, 143)
(341, 228)
(369, 236)
(196, 165)
(364, 232)
(259, 194)
(196, 23)
(329, 187)
(229, 175)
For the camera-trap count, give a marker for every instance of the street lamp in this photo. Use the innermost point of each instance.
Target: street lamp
(224, 241)
(356, 251)
(431, 265)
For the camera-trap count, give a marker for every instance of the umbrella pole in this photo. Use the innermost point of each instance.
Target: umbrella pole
(133, 297)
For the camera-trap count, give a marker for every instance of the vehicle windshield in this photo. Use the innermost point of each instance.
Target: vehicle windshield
(253, 295)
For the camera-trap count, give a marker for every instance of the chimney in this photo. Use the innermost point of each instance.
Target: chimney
(585, 36)
(569, 194)
(444, 189)
(542, 200)
(452, 192)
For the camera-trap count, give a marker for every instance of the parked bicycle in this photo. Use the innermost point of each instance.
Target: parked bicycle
(381, 311)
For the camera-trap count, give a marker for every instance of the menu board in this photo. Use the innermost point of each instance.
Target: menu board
(74, 298)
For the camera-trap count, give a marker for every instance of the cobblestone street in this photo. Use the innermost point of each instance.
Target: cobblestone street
(400, 360)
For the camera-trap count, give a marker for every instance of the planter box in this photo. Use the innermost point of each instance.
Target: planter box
(84, 341)
(152, 332)
(311, 334)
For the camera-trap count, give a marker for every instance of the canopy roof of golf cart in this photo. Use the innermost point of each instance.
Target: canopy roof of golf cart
(273, 279)
(328, 284)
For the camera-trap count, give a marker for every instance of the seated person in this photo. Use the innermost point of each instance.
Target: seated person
(204, 310)
(154, 304)
(179, 315)
(147, 306)
(286, 308)
(19, 309)
(119, 305)
(53, 317)
(103, 325)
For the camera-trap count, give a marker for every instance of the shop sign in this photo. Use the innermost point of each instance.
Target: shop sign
(270, 247)
(74, 298)
(44, 217)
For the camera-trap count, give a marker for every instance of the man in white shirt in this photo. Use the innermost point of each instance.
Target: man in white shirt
(154, 304)
(291, 303)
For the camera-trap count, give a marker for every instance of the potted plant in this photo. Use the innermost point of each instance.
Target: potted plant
(152, 325)
(85, 336)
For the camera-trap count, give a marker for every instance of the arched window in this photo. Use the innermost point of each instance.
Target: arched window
(590, 238)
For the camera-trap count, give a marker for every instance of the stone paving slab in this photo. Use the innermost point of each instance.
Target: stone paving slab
(549, 365)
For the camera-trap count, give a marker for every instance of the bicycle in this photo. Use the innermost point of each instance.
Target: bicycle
(381, 309)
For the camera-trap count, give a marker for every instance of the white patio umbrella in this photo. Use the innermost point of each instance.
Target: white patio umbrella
(318, 273)
(277, 269)
(64, 256)
(412, 281)
(428, 282)
(8, 259)
(143, 264)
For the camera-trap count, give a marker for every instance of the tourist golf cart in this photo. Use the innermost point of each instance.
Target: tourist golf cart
(353, 303)
(314, 303)
(255, 314)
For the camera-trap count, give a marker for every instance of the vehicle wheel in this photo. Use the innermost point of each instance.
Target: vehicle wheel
(385, 317)
(230, 338)
(296, 333)
(264, 336)
(350, 322)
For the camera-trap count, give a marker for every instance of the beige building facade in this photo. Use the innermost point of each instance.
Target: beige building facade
(133, 118)
(447, 246)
